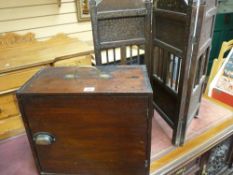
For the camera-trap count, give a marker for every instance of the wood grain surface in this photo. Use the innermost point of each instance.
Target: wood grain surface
(103, 130)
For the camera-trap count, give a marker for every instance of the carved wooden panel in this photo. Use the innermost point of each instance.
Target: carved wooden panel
(121, 28)
(173, 5)
(121, 25)
(164, 30)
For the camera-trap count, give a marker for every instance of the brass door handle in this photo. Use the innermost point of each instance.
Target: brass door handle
(43, 138)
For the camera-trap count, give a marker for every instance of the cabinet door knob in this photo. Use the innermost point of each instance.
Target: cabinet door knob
(43, 138)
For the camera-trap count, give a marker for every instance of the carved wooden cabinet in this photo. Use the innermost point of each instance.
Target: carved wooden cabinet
(89, 120)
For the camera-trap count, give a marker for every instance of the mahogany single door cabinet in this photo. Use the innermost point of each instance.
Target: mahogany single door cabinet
(89, 120)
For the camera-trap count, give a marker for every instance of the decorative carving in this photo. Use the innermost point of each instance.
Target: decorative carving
(217, 159)
(11, 39)
(119, 29)
(173, 5)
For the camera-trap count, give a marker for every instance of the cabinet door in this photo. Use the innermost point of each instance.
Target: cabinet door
(91, 134)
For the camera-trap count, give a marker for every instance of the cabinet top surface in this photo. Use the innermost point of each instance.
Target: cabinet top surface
(89, 80)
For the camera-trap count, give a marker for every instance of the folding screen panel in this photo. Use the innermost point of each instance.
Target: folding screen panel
(175, 45)
(121, 31)
(181, 32)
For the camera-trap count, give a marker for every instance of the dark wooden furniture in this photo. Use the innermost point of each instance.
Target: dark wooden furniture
(177, 47)
(89, 120)
(125, 25)
(181, 35)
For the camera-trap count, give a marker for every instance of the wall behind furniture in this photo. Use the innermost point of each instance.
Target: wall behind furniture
(42, 17)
